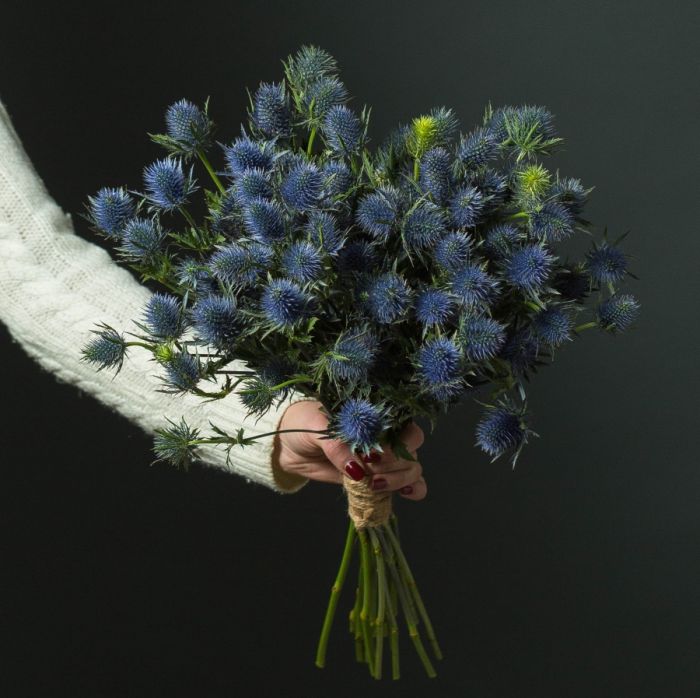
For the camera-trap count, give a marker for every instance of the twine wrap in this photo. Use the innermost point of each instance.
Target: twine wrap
(365, 506)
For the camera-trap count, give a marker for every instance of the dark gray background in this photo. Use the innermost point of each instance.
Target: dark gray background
(575, 575)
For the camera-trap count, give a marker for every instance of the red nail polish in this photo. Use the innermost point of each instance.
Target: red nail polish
(354, 470)
(407, 489)
(379, 483)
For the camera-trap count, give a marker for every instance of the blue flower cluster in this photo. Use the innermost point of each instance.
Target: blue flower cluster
(384, 282)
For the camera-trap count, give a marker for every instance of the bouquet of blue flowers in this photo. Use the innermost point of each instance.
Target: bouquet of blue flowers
(385, 284)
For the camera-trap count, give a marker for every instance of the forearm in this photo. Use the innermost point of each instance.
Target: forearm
(55, 287)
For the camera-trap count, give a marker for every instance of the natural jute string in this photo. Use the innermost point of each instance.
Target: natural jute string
(365, 506)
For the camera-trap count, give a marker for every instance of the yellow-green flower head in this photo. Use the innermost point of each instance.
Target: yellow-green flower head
(163, 353)
(423, 135)
(533, 181)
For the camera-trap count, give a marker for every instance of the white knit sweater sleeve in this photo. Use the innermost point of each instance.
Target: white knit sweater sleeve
(55, 287)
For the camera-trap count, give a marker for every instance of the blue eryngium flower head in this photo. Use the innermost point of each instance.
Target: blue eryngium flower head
(618, 312)
(452, 251)
(423, 225)
(520, 350)
(480, 337)
(263, 219)
(528, 267)
(553, 326)
(356, 257)
(606, 264)
(352, 355)
(337, 178)
(359, 424)
(106, 350)
(389, 297)
(241, 265)
(377, 213)
(493, 187)
(163, 316)
(474, 286)
(271, 110)
(439, 365)
(167, 186)
(435, 174)
(182, 372)
(500, 239)
(552, 222)
(142, 239)
(322, 95)
(342, 129)
(188, 125)
(477, 148)
(283, 303)
(217, 321)
(322, 228)
(501, 428)
(466, 207)
(301, 262)
(434, 307)
(571, 193)
(110, 209)
(302, 187)
(250, 183)
(245, 153)
(533, 119)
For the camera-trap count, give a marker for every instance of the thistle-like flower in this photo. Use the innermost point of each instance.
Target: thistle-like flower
(528, 267)
(240, 265)
(301, 262)
(532, 182)
(187, 124)
(499, 240)
(106, 350)
(501, 428)
(251, 183)
(182, 372)
(310, 63)
(217, 321)
(142, 240)
(452, 252)
(359, 423)
(553, 326)
(244, 154)
(618, 312)
(520, 350)
(322, 228)
(571, 193)
(480, 337)
(168, 187)
(439, 365)
(434, 176)
(493, 187)
(337, 178)
(474, 286)
(342, 129)
(302, 187)
(606, 264)
(377, 213)
(434, 307)
(110, 209)
(389, 297)
(271, 110)
(263, 219)
(352, 355)
(423, 225)
(477, 148)
(176, 444)
(552, 222)
(466, 207)
(163, 317)
(322, 95)
(283, 303)
(357, 256)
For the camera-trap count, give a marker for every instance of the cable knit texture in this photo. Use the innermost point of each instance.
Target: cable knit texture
(55, 287)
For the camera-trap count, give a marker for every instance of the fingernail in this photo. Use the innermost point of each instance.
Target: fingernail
(379, 483)
(407, 489)
(354, 470)
(372, 457)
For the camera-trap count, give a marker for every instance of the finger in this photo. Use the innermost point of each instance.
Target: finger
(415, 491)
(343, 459)
(396, 479)
(320, 472)
(412, 436)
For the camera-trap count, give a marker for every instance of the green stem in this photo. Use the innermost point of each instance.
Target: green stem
(210, 170)
(279, 386)
(516, 216)
(187, 216)
(586, 326)
(355, 626)
(411, 582)
(381, 598)
(366, 598)
(392, 605)
(416, 169)
(310, 144)
(335, 594)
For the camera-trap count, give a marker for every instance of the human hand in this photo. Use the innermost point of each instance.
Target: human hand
(330, 460)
